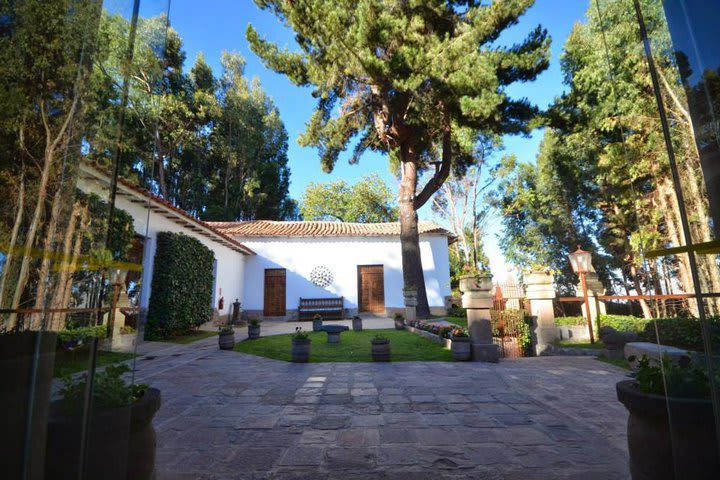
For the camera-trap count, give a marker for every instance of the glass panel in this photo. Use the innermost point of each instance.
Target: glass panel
(70, 253)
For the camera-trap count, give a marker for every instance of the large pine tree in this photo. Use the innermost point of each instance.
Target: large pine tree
(420, 80)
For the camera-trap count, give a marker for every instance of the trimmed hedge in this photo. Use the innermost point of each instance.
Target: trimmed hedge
(624, 323)
(457, 312)
(682, 333)
(182, 283)
(569, 321)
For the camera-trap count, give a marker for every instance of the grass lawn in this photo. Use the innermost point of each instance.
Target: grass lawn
(462, 321)
(73, 362)
(618, 362)
(353, 347)
(569, 343)
(193, 337)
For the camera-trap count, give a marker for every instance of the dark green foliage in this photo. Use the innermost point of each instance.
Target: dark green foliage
(71, 338)
(682, 333)
(624, 323)
(569, 321)
(680, 378)
(109, 390)
(457, 312)
(181, 294)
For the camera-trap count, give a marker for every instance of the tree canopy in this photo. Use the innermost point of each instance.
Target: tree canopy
(420, 81)
(367, 201)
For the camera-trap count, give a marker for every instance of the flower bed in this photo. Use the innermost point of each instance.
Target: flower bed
(437, 333)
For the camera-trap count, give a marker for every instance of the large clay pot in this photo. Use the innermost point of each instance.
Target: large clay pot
(686, 445)
(474, 283)
(380, 350)
(226, 341)
(460, 348)
(121, 442)
(300, 350)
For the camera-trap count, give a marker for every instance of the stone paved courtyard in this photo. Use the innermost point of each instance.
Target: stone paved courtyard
(227, 415)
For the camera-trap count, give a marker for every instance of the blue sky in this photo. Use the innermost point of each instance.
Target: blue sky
(212, 26)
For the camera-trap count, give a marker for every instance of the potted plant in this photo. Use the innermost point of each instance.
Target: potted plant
(460, 346)
(475, 279)
(300, 346)
(399, 322)
(380, 348)
(357, 324)
(317, 323)
(671, 427)
(121, 437)
(226, 337)
(254, 329)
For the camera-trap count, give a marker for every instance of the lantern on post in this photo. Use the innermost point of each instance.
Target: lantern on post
(581, 263)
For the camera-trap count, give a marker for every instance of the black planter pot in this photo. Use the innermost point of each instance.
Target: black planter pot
(26, 368)
(300, 352)
(660, 449)
(399, 324)
(121, 444)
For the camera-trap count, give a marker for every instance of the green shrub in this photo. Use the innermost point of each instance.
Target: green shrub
(624, 323)
(569, 321)
(75, 337)
(682, 333)
(181, 295)
(457, 312)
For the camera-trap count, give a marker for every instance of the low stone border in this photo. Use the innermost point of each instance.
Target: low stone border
(445, 342)
(553, 350)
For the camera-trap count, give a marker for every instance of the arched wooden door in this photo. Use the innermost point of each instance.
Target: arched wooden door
(274, 302)
(371, 289)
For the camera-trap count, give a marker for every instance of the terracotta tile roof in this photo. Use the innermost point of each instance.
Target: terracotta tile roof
(267, 228)
(174, 213)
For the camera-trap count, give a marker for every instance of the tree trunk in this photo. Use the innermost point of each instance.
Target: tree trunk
(65, 272)
(647, 313)
(13, 239)
(409, 238)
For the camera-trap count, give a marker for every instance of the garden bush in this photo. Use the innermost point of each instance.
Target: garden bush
(682, 333)
(75, 337)
(624, 323)
(457, 312)
(569, 321)
(182, 283)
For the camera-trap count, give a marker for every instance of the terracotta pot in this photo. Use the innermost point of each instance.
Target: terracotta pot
(460, 348)
(475, 283)
(380, 350)
(300, 350)
(687, 444)
(226, 341)
(121, 442)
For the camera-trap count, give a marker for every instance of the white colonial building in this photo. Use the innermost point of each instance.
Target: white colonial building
(268, 266)
(360, 262)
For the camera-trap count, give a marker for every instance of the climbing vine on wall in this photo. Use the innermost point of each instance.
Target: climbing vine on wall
(181, 294)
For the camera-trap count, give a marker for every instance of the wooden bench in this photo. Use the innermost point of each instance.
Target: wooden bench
(327, 308)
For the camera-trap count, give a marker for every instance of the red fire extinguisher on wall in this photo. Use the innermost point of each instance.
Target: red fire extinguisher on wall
(221, 303)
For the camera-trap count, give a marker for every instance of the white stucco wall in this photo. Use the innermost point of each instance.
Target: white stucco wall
(230, 264)
(341, 255)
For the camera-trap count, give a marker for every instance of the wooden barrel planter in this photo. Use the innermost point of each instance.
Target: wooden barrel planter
(686, 443)
(460, 348)
(380, 350)
(357, 324)
(121, 442)
(300, 350)
(253, 331)
(226, 340)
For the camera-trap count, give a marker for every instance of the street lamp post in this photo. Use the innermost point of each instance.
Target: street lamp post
(580, 261)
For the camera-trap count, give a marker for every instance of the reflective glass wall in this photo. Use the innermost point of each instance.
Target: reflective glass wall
(80, 90)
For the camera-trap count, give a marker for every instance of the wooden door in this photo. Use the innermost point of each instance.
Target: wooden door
(274, 305)
(371, 289)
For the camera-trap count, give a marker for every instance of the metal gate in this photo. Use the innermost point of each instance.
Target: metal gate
(509, 318)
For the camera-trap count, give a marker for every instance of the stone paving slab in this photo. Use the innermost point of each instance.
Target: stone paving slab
(228, 415)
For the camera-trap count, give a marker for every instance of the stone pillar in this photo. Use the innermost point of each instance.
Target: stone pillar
(410, 300)
(595, 289)
(478, 301)
(539, 289)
